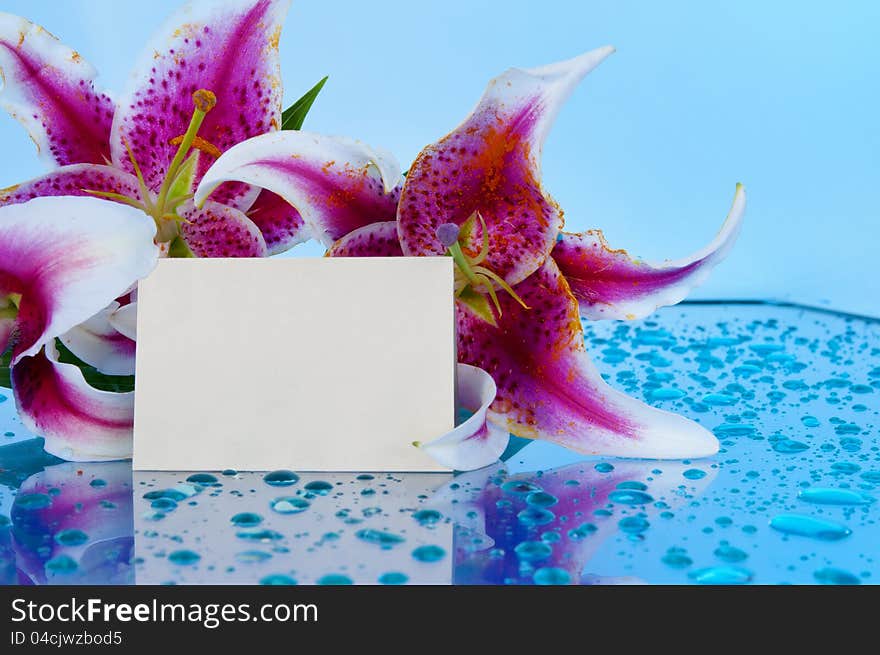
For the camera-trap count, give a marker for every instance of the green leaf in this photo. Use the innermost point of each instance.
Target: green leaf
(479, 304)
(116, 383)
(293, 116)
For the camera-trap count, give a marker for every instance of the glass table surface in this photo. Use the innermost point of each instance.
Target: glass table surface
(790, 392)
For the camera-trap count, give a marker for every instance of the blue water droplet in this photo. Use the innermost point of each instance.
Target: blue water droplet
(809, 526)
(664, 393)
(533, 551)
(98, 483)
(677, 558)
(332, 579)
(719, 399)
(790, 446)
(834, 576)
(71, 537)
(264, 535)
(428, 553)
(632, 484)
(33, 501)
(604, 467)
(519, 487)
(277, 579)
(184, 557)
(633, 524)
(204, 479)
(810, 421)
(281, 478)
(535, 516)
(823, 496)
(721, 575)
(630, 497)
(393, 578)
(694, 474)
(383, 539)
(164, 505)
(551, 575)
(582, 531)
(62, 564)
(427, 517)
(246, 520)
(289, 505)
(252, 556)
(730, 554)
(541, 499)
(847, 468)
(320, 487)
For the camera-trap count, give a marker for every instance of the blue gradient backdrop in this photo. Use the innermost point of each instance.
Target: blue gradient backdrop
(782, 96)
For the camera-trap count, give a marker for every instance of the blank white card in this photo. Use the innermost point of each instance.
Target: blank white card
(304, 363)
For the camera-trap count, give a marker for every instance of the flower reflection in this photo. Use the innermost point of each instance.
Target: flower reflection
(72, 524)
(544, 527)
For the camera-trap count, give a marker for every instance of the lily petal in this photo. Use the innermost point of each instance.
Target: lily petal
(97, 342)
(68, 257)
(610, 284)
(7, 325)
(229, 48)
(50, 89)
(74, 180)
(549, 389)
(218, 230)
(336, 184)
(476, 442)
(281, 225)
(491, 164)
(374, 240)
(124, 320)
(78, 422)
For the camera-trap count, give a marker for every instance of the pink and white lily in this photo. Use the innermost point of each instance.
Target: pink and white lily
(522, 284)
(209, 79)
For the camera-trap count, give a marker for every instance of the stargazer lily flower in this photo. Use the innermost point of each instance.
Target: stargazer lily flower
(61, 260)
(209, 79)
(522, 284)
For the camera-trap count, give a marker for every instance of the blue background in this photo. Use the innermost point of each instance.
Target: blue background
(781, 96)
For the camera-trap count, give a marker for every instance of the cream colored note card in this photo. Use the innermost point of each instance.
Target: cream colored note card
(302, 363)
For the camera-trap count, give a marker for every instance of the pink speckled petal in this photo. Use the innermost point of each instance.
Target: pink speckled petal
(374, 240)
(69, 257)
(98, 343)
(610, 284)
(217, 230)
(7, 326)
(78, 422)
(281, 225)
(476, 442)
(229, 47)
(95, 498)
(549, 389)
(336, 184)
(491, 164)
(74, 180)
(50, 89)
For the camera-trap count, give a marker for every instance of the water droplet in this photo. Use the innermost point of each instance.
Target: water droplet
(62, 564)
(260, 535)
(277, 579)
(335, 579)
(677, 558)
(535, 516)
(383, 539)
(835, 496)
(98, 483)
(790, 446)
(550, 575)
(831, 575)
(184, 557)
(33, 501)
(847, 468)
(428, 554)
(519, 487)
(694, 474)
(666, 394)
(289, 505)
(582, 531)
(71, 537)
(809, 526)
(533, 551)
(633, 524)
(810, 421)
(632, 484)
(204, 479)
(393, 578)
(319, 487)
(541, 499)
(719, 399)
(604, 467)
(630, 497)
(164, 505)
(427, 517)
(730, 554)
(246, 520)
(252, 556)
(721, 575)
(281, 478)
